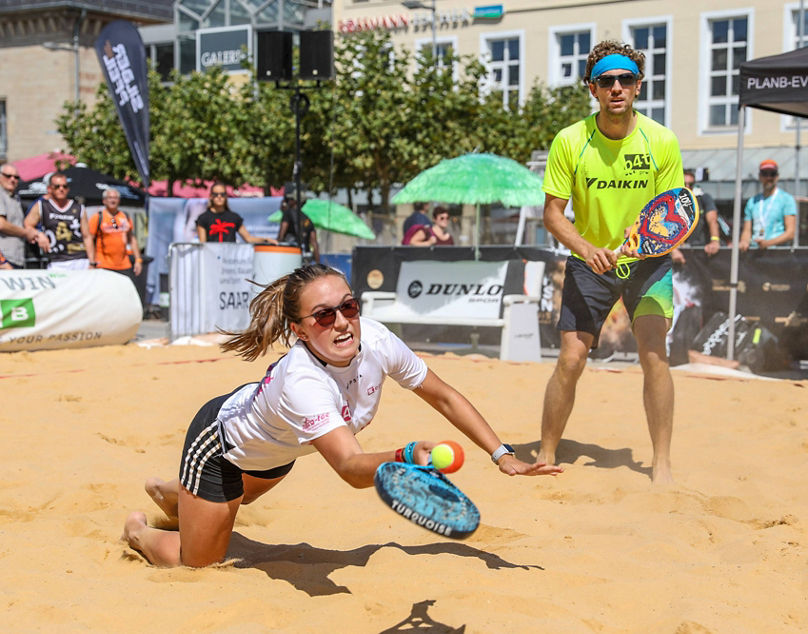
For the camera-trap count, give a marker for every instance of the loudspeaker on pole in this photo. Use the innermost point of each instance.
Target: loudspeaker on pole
(316, 55)
(273, 58)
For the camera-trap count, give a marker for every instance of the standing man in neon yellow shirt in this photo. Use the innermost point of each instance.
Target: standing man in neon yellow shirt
(611, 164)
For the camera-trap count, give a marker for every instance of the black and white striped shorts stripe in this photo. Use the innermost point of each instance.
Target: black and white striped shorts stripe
(205, 446)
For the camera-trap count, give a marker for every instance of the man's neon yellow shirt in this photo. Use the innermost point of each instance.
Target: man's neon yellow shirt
(609, 180)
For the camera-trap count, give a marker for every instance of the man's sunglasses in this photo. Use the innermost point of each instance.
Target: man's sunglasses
(768, 173)
(607, 81)
(61, 186)
(326, 317)
(17, 176)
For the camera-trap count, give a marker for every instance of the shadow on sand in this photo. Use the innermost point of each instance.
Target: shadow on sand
(570, 450)
(307, 567)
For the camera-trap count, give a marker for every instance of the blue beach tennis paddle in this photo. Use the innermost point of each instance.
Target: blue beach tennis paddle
(426, 497)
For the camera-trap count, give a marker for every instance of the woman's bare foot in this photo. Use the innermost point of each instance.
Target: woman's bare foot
(159, 547)
(133, 527)
(164, 494)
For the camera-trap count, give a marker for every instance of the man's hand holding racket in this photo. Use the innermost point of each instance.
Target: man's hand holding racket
(601, 260)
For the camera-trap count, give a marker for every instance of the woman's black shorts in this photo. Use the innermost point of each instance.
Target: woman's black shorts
(204, 471)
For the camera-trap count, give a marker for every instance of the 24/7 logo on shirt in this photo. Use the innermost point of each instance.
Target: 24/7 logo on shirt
(637, 162)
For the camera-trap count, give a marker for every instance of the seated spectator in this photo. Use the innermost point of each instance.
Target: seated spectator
(436, 234)
(417, 217)
(770, 218)
(113, 238)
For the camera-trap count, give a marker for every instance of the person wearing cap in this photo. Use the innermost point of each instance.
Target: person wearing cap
(611, 164)
(770, 217)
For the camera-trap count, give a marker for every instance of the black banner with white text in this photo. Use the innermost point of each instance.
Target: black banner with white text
(122, 57)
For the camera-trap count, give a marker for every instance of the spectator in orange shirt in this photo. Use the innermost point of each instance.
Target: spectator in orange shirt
(112, 232)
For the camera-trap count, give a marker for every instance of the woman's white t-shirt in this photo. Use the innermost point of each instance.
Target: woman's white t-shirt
(272, 422)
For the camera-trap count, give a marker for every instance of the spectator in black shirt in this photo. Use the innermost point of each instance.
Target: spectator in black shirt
(219, 224)
(289, 221)
(707, 231)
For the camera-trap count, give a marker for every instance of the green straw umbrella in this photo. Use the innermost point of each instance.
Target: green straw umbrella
(331, 216)
(475, 179)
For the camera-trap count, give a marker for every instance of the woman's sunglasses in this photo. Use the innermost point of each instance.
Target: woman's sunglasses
(326, 317)
(607, 81)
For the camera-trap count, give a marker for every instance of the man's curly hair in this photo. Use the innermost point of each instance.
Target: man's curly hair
(613, 47)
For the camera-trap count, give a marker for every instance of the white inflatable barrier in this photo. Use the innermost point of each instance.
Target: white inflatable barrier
(45, 310)
(209, 286)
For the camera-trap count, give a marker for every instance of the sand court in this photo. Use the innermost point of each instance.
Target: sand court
(596, 549)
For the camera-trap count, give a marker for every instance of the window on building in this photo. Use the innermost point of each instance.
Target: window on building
(3, 135)
(162, 58)
(504, 69)
(445, 50)
(573, 49)
(797, 42)
(727, 48)
(795, 28)
(652, 40)
(187, 54)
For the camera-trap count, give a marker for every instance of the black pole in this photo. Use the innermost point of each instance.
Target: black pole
(300, 105)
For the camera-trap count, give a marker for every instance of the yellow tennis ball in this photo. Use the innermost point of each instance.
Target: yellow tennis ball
(447, 457)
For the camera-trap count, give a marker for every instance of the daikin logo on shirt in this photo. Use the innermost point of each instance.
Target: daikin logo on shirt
(616, 183)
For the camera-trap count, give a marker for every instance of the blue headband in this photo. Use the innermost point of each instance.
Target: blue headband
(613, 62)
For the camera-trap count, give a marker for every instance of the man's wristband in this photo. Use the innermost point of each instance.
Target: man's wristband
(715, 238)
(400, 454)
(138, 259)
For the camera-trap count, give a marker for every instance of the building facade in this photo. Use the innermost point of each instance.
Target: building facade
(47, 58)
(693, 53)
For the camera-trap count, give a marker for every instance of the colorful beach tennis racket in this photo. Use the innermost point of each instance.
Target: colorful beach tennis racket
(663, 224)
(426, 497)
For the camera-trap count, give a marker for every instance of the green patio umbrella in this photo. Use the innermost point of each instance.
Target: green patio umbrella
(475, 179)
(332, 216)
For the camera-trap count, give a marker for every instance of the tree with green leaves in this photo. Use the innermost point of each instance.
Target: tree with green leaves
(388, 116)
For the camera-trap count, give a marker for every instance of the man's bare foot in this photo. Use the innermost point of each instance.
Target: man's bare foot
(164, 495)
(545, 458)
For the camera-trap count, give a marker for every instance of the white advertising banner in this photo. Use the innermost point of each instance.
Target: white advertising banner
(44, 309)
(226, 269)
(209, 287)
(455, 289)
